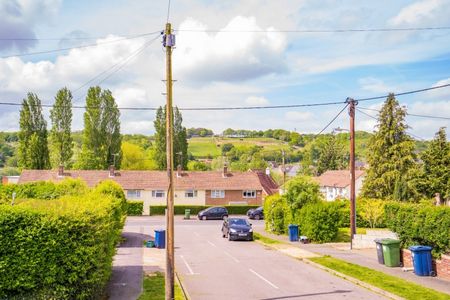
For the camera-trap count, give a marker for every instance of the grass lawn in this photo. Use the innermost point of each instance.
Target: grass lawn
(264, 239)
(343, 235)
(204, 147)
(394, 285)
(154, 288)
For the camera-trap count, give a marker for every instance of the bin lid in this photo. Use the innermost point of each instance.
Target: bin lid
(419, 248)
(292, 225)
(389, 241)
(377, 240)
(160, 230)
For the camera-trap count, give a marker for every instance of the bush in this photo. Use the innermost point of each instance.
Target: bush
(420, 225)
(195, 209)
(319, 221)
(59, 249)
(366, 213)
(276, 214)
(135, 208)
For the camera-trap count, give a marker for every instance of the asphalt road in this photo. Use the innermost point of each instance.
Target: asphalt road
(212, 267)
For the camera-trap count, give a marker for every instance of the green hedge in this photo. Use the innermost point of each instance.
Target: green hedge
(418, 224)
(60, 249)
(319, 221)
(135, 208)
(276, 214)
(179, 209)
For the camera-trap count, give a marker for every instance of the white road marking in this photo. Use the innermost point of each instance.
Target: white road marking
(267, 281)
(187, 265)
(231, 256)
(212, 244)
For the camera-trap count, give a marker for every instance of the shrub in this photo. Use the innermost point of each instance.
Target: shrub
(319, 221)
(179, 209)
(276, 214)
(59, 249)
(135, 208)
(301, 190)
(420, 225)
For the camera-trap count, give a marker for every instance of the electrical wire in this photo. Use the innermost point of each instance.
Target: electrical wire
(332, 120)
(79, 47)
(406, 93)
(345, 30)
(413, 115)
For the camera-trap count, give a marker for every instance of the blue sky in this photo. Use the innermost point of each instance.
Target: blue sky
(223, 68)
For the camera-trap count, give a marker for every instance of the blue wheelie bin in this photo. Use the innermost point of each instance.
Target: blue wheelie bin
(293, 232)
(160, 239)
(421, 256)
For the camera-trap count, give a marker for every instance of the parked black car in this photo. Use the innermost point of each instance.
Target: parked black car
(213, 213)
(237, 229)
(256, 213)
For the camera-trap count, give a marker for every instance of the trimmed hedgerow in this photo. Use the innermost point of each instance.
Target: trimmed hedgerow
(180, 209)
(60, 249)
(417, 224)
(276, 214)
(135, 208)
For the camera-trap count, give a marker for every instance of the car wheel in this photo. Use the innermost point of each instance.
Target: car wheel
(204, 218)
(257, 217)
(223, 235)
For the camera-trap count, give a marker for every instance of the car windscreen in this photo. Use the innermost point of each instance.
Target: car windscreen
(238, 222)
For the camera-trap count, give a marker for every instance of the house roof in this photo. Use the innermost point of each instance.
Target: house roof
(269, 185)
(337, 178)
(202, 180)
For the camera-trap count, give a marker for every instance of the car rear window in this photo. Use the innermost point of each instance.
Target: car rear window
(238, 222)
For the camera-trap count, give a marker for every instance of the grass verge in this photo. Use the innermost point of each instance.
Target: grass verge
(153, 288)
(264, 239)
(394, 285)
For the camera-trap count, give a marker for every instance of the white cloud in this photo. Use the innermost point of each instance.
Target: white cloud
(255, 101)
(298, 116)
(419, 12)
(375, 85)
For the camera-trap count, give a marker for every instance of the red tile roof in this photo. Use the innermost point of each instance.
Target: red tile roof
(201, 180)
(337, 178)
(269, 185)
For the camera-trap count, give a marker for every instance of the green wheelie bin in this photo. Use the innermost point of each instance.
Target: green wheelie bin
(391, 252)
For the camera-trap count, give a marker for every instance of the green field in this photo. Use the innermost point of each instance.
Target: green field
(212, 146)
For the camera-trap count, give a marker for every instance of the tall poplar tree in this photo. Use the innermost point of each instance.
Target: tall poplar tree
(33, 148)
(435, 177)
(331, 155)
(392, 169)
(101, 135)
(180, 144)
(61, 142)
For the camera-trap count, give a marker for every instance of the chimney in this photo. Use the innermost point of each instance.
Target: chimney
(179, 173)
(112, 171)
(225, 171)
(61, 171)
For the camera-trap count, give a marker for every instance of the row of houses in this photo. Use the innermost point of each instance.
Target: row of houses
(191, 187)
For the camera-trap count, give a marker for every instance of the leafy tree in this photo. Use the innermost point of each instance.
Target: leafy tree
(180, 144)
(372, 210)
(331, 155)
(299, 191)
(198, 166)
(436, 166)
(61, 142)
(134, 157)
(391, 156)
(226, 148)
(101, 135)
(33, 148)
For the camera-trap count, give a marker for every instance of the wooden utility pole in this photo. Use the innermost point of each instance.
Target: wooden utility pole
(352, 103)
(284, 171)
(169, 42)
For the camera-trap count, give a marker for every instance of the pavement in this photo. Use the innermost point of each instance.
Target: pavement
(363, 257)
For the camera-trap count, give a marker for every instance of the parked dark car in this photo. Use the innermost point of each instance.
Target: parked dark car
(237, 229)
(213, 213)
(256, 213)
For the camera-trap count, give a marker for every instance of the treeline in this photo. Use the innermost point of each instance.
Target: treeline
(291, 137)
(199, 132)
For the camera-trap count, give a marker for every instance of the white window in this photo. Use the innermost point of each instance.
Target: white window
(158, 194)
(217, 194)
(133, 194)
(190, 193)
(249, 194)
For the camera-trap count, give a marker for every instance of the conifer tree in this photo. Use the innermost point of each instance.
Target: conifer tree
(101, 135)
(33, 148)
(61, 142)
(435, 177)
(180, 144)
(331, 155)
(392, 169)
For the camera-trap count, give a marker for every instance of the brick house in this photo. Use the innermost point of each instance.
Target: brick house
(191, 187)
(336, 183)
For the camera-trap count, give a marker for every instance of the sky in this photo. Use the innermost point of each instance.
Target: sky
(228, 54)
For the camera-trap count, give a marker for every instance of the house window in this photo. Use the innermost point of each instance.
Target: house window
(249, 194)
(158, 194)
(133, 194)
(190, 193)
(217, 194)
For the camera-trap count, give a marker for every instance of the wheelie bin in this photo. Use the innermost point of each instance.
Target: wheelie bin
(379, 247)
(391, 252)
(422, 262)
(293, 232)
(160, 239)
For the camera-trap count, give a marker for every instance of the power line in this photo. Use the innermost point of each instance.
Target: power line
(332, 120)
(74, 38)
(346, 30)
(413, 115)
(405, 93)
(79, 47)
